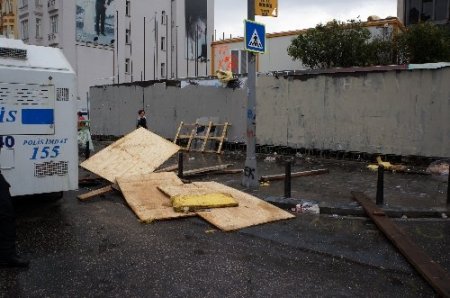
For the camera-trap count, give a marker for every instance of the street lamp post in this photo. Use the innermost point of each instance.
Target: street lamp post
(250, 176)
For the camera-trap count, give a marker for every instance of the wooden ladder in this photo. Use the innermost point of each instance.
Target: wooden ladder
(205, 138)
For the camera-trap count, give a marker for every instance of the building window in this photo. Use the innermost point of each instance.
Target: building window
(426, 10)
(38, 3)
(163, 43)
(163, 17)
(442, 10)
(163, 70)
(38, 28)
(239, 61)
(127, 65)
(8, 7)
(54, 24)
(127, 36)
(128, 8)
(23, 3)
(24, 25)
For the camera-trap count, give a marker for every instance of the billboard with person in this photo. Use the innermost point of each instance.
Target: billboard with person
(196, 22)
(95, 21)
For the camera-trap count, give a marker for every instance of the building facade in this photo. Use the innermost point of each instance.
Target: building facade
(54, 23)
(8, 20)
(414, 11)
(163, 39)
(119, 41)
(230, 55)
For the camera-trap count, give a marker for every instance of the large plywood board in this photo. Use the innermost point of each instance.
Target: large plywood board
(139, 152)
(250, 212)
(146, 200)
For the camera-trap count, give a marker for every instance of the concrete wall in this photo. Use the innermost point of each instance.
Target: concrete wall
(114, 108)
(392, 112)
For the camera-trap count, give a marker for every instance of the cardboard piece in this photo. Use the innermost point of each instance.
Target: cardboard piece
(146, 200)
(140, 152)
(250, 212)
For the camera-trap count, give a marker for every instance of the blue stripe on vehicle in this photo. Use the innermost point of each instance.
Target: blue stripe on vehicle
(37, 116)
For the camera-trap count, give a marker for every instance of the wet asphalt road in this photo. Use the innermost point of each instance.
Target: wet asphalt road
(98, 248)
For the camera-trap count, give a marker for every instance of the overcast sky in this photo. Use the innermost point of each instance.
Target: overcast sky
(298, 14)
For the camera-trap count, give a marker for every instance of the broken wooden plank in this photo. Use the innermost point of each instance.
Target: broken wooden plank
(139, 152)
(95, 193)
(146, 200)
(86, 182)
(205, 170)
(251, 211)
(296, 174)
(229, 171)
(168, 169)
(434, 274)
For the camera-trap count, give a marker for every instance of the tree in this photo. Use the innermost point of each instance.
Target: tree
(335, 44)
(425, 43)
(339, 44)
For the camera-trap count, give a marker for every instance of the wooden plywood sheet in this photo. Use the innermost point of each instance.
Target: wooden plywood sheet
(146, 200)
(250, 212)
(185, 189)
(194, 197)
(139, 152)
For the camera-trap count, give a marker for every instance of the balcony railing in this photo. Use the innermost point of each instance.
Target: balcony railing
(53, 39)
(52, 5)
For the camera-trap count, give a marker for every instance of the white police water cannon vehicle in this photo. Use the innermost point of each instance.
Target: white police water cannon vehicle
(38, 121)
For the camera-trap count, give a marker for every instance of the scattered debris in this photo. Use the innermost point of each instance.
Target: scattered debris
(87, 182)
(205, 132)
(146, 200)
(131, 161)
(295, 174)
(170, 168)
(439, 167)
(387, 166)
(251, 211)
(430, 270)
(270, 159)
(205, 170)
(95, 193)
(139, 152)
(307, 207)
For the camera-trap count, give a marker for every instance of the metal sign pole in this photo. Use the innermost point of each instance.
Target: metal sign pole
(250, 178)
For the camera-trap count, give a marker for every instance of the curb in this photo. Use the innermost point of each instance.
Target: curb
(353, 209)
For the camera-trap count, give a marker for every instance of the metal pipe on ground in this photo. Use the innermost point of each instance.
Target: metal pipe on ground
(380, 186)
(287, 180)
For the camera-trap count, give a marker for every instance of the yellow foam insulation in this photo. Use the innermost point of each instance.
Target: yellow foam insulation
(189, 197)
(387, 166)
(185, 203)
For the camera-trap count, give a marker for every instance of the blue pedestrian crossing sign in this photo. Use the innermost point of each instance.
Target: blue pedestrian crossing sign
(255, 37)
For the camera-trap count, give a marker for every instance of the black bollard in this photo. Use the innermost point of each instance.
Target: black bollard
(180, 165)
(380, 186)
(287, 180)
(448, 188)
(87, 152)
